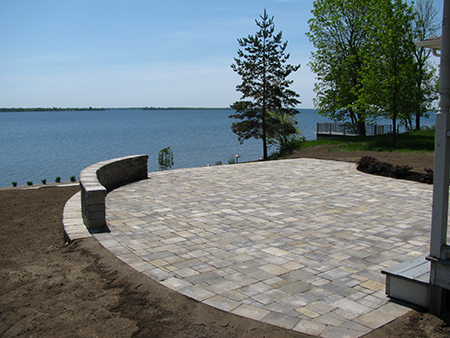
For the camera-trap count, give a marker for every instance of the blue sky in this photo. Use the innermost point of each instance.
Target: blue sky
(117, 53)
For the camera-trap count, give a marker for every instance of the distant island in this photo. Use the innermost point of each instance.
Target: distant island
(182, 108)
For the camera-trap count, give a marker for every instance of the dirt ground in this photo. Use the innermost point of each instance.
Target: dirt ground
(418, 161)
(49, 289)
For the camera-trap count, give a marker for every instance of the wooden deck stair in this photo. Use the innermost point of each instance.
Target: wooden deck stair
(409, 281)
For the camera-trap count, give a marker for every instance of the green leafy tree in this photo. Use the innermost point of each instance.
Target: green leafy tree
(366, 62)
(165, 159)
(262, 65)
(388, 89)
(425, 25)
(338, 31)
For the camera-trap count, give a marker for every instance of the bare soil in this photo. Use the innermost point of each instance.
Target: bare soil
(418, 161)
(49, 289)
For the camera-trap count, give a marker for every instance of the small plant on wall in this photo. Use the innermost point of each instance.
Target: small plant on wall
(165, 159)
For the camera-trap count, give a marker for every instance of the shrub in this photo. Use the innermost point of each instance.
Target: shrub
(14, 184)
(382, 168)
(165, 159)
(273, 156)
(232, 160)
(218, 162)
(365, 162)
(401, 171)
(72, 179)
(428, 176)
(371, 165)
(29, 183)
(44, 181)
(58, 179)
(292, 143)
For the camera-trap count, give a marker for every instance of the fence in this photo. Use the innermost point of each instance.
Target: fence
(350, 129)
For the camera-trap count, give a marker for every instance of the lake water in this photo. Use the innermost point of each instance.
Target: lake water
(44, 145)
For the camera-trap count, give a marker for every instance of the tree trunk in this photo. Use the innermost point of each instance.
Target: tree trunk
(264, 138)
(394, 131)
(361, 128)
(394, 118)
(361, 125)
(417, 121)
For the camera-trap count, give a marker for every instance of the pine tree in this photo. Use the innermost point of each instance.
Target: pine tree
(262, 65)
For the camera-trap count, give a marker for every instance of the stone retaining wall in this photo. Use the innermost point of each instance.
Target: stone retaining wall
(100, 178)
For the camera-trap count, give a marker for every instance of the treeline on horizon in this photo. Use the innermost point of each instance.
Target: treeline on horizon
(13, 110)
(40, 109)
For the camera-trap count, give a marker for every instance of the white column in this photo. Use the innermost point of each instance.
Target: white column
(442, 146)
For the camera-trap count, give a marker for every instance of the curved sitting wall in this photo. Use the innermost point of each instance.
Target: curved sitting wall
(100, 178)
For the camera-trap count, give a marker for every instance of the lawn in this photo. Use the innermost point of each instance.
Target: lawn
(416, 141)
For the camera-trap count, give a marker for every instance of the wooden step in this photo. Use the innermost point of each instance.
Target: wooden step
(409, 281)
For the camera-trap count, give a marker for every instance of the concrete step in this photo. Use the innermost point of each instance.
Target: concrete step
(409, 281)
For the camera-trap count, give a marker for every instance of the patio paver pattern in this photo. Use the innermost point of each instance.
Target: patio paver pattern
(295, 243)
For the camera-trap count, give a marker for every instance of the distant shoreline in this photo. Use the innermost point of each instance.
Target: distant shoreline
(40, 109)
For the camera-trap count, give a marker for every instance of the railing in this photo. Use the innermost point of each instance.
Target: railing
(350, 129)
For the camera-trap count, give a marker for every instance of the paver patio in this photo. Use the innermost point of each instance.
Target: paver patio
(295, 243)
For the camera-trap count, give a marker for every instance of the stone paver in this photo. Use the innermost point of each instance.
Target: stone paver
(295, 243)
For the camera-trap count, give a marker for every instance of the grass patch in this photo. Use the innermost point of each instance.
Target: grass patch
(422, 141)
(314, 143)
